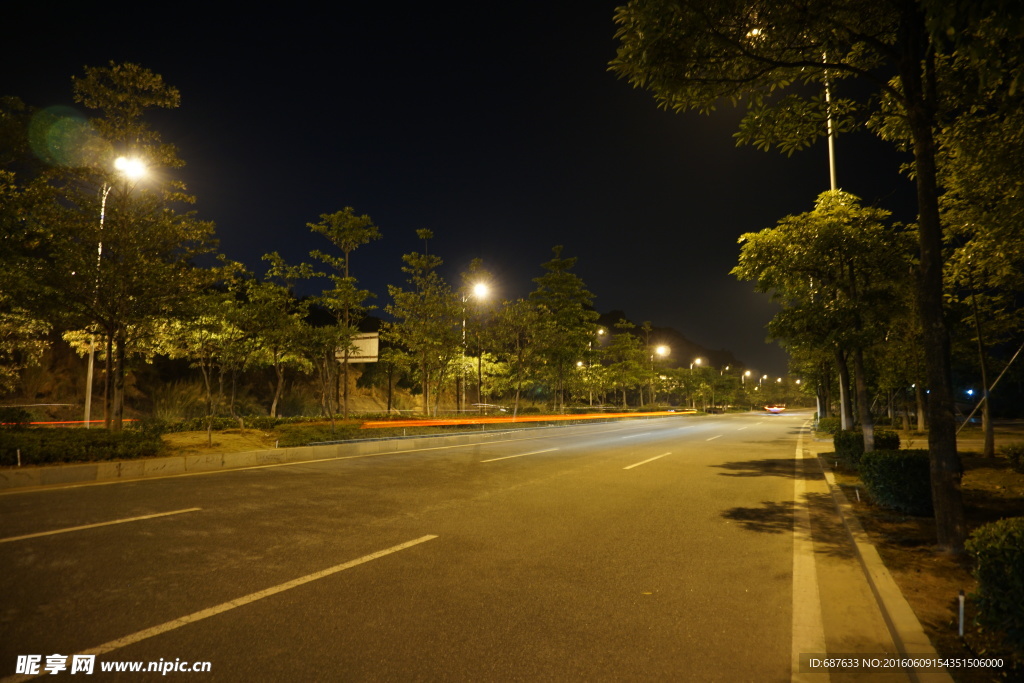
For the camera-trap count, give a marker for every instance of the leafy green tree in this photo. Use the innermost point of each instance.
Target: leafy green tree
(347, 232)
(427, 321)
(107, 252)
(834, 270)
(285, 315)
(516, 330)
(626, 360)
(567, 323)
(778, 58)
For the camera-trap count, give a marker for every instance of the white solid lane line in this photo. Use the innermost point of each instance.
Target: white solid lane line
(98, 524)
(629, 467)
(519, 455)
(714, 437)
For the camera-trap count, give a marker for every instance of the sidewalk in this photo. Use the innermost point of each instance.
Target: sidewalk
(863, 611)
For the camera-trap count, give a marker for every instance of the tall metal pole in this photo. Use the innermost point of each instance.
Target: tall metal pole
(831, 131)
(92, 338)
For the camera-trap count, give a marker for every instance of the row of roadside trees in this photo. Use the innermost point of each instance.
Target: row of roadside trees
(101, 250)
(941, 80)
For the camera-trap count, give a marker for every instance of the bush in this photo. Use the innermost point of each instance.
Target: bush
(51, 446)
(899, 480)
(998, 551)
(829, 425)
(886, 440)
(849, 444)
(1014, 452)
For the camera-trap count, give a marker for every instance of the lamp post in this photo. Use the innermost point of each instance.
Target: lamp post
(132, 170)
(480, 291)
(693, 399)
(661, 350)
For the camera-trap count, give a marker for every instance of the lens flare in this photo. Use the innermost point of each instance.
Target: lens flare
(61, 136)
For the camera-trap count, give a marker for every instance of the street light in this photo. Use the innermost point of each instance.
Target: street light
(480, 291)
(661, 350)
(132, 170)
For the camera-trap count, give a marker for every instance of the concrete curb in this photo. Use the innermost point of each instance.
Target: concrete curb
(907, 633)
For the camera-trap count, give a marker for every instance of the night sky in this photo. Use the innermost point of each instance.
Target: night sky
(496, 125)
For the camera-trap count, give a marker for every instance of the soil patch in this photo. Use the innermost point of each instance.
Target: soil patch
(225, 441)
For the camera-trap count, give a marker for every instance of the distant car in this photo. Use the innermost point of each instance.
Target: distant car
(775, 409)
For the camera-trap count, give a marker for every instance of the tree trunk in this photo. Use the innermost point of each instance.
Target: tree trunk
(920, 96)
(845, 409)
(986, 417)
(867, 424)
(279, 372)
(117, 422)
(108, 363)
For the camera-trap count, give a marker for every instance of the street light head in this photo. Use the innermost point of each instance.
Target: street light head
(696, 361)
(132, 169)
(747, 373)
(481, 290)
(663, 350)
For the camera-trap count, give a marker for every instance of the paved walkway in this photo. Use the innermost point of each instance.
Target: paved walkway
(863, 611)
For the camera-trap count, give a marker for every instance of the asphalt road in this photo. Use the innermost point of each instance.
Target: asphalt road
(660, 549)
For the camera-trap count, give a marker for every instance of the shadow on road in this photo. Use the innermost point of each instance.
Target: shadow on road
(773, 517)
(768, 467)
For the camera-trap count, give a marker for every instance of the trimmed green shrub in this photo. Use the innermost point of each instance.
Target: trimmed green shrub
(899, 480)
(829, 425)
(998, 551)
(1014, 452)
(886, 440)
(52, 446)
(849, 446)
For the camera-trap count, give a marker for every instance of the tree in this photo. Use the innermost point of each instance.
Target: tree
(347, 232)
(835, 270)
(627, 360)
(567, 323)
(107, 252)
(285, 315)
(777, 57)
(516, 329)
(427, 320)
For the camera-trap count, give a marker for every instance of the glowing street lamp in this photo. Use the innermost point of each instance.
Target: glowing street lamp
(133, 170)
(480, 292)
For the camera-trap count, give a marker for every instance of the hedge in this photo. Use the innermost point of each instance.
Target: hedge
(899, 480)
(849, 444)
(998, 551)
(829, 425)
(48, 446)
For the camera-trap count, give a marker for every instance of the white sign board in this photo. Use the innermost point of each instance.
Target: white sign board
(366, 345)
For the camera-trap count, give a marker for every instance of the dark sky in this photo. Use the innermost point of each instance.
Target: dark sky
(496, 125)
